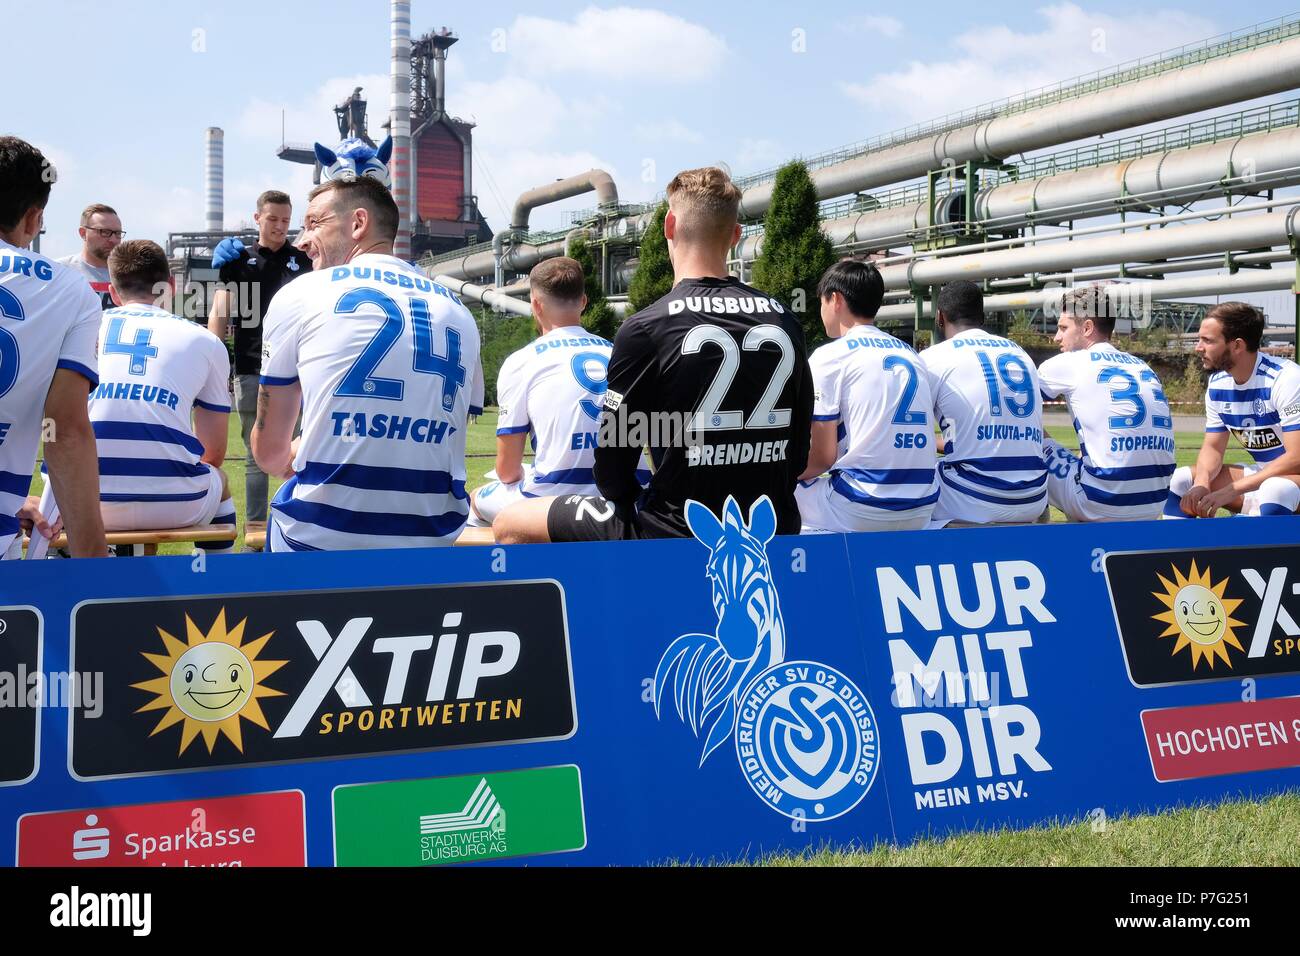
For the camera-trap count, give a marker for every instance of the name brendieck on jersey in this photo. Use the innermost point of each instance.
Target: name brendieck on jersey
(725, 305)
(736, 453)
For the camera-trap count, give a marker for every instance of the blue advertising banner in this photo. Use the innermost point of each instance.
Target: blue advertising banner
(706, 699)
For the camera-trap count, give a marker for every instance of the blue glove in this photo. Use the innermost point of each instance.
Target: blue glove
(228, 250)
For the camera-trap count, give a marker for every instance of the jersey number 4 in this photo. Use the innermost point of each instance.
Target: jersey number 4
(709, 414)
(361, 381)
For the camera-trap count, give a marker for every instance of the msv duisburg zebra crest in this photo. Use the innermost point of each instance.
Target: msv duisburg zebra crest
(805, 735)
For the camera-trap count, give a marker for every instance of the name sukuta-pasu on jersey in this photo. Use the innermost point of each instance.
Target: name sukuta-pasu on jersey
(553, 389)
(49, 319)
(986, 396)
(387, 361)
(1125, 428)
(1258, 411)
(875, 386)
(154, 369)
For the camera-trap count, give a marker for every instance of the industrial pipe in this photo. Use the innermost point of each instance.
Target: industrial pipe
(1231, 79)
(1261, 280)
(399, 108)
(596, 180)
(489, 297)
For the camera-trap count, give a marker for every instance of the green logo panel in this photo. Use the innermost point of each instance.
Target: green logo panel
(481, 816)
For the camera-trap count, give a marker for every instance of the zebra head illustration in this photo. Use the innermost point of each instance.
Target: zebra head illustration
(706, 674)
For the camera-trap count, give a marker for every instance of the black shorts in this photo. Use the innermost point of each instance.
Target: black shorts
(590, 518)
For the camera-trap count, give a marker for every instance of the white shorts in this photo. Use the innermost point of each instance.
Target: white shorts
(493, 498)
(955, 506)
(1065, 491)
(823, 510)
(1250, 500)
(153, 515)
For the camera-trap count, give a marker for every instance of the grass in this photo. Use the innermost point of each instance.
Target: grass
(1237, 833)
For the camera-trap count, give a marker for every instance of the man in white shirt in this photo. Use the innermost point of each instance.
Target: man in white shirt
(1126, 431)
(156, 469)
(551, 390)
(871, 417)
(986, 401)
(49, 320)
(1254, 398)
(381, 360)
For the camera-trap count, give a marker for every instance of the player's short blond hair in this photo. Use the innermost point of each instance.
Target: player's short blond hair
(705, 203)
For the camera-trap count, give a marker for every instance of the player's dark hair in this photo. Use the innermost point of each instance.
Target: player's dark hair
(273, 197)
(560, 279)
(962, 304)
(25, 180)
(1091, 302)
(363, 192)
(138, 267)
(860, 284)
(1240, 320)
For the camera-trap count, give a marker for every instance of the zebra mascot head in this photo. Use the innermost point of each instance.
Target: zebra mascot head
(355, 157)
(706, 674)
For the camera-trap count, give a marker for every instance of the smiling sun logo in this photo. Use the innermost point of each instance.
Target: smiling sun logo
(1199, 614)
(209, 682)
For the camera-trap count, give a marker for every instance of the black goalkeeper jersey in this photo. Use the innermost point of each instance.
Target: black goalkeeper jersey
(713, 379)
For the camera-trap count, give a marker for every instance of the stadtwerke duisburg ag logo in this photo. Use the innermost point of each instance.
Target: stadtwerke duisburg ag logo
(804, 734)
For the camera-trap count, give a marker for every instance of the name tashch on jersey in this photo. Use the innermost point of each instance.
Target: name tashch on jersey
(424, 431)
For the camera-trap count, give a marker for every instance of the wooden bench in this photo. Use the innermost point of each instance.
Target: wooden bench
(255, 537)
(125, 543)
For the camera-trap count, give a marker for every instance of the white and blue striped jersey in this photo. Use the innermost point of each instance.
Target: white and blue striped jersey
(155, 368)
(1126, 431)
(876, 387)
(986, 401)
(1257, 412)
(553, 389)
(387, 361)
(49, 319)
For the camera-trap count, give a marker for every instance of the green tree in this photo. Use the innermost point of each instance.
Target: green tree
(499, 336)
(599, 316)
(654, 270)
(795, 250)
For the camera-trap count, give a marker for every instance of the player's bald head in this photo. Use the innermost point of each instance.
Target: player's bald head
(705, 203)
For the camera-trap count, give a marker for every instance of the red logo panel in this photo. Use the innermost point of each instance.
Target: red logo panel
(260, 829)
(1214, 739)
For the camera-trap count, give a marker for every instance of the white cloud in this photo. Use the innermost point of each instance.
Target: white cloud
(670, 131)
(758, 154)
(884, 26)
(621, 43)
(310, 118)
(998, 61)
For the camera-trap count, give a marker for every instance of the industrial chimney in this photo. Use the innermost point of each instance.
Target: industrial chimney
(399, 105)
(214, 180)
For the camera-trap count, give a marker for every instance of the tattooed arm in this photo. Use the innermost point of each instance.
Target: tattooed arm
(277, 411)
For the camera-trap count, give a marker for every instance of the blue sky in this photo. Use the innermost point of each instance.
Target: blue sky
(119, 93)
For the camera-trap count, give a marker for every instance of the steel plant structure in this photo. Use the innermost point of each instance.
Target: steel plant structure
(1192, 209)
